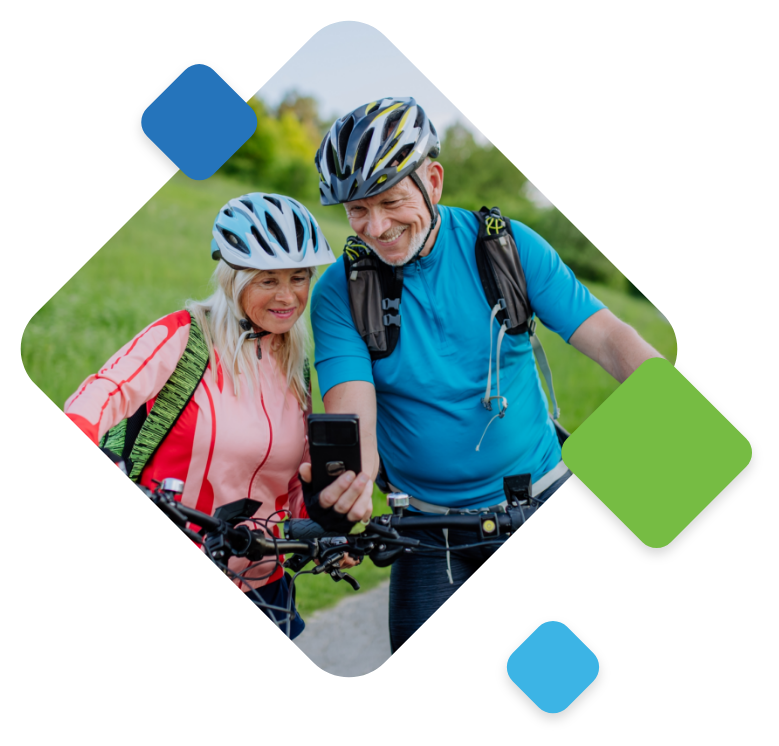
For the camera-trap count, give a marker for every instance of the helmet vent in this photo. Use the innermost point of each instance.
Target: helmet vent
(403, 154)
(352, 191)
(248, 205)
(277, 233)
(376, 187)
(234, 241)
(344, 134)
(300, 232)
(389, 124)
(362, 152)
(329, 151)
(272, 200)
(260, 240)
(227, 211)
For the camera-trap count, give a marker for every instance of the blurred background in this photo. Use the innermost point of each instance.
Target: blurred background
(161, 257)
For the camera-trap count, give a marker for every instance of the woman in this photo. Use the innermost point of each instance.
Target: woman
(242, 433)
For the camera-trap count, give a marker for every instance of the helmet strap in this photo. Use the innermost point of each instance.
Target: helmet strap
(246, 325)
(433, 213)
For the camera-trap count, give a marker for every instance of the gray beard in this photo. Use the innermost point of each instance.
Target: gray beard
(413, 250)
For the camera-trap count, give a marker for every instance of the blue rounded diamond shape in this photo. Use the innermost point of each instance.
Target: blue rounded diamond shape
(198, 121)
(552, 667)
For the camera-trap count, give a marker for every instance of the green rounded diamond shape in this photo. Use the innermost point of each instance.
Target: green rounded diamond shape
(656, 452)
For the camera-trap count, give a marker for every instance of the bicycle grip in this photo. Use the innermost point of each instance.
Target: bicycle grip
(304, 529)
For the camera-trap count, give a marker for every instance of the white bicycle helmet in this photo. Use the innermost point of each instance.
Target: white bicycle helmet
(268, 231)
(374, 147)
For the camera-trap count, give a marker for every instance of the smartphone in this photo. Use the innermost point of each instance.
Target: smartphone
(334, 446)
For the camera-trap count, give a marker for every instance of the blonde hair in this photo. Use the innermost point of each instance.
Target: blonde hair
(219, 317)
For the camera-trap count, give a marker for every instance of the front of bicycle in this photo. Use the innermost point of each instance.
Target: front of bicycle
(251, 551)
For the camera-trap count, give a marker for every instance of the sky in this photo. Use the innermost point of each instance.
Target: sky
(340, 86)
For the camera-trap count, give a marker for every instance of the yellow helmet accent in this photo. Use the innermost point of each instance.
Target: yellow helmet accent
(402, 165)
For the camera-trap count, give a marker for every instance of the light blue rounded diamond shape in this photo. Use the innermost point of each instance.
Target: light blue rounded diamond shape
(552, 667)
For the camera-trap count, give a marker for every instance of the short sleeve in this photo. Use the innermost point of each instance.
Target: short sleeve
(557, 297)
(341, 355)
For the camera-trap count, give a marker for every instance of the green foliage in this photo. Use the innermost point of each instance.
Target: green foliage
(306, 110)
(575, 249)
(280, 153)
(477, 175)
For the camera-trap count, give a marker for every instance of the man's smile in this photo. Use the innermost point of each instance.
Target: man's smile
(390, 238)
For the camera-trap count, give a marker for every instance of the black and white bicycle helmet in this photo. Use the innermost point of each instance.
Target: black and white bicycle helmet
(268, 231)
(373, 148)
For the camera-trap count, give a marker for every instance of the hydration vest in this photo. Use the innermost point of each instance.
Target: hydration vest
(375, 291)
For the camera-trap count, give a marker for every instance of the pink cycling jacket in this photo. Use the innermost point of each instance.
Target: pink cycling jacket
(223, 447)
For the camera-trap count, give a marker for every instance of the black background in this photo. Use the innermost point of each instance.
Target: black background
(613, 152)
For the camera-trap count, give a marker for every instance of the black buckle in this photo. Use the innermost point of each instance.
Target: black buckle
(387, 304)
(390, 320)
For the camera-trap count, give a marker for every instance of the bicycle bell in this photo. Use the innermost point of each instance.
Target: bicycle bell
(169, 484)
(397, 501)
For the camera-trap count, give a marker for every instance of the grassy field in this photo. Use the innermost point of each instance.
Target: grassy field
(161, 257)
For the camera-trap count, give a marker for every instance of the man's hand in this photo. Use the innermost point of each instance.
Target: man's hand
(612, 343)
(349, 495)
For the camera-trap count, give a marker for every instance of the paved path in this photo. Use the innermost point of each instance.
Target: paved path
(352, 638)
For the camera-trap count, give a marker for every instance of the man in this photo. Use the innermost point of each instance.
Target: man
(423, 407)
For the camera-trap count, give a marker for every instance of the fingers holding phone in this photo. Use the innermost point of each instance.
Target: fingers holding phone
(350, 494)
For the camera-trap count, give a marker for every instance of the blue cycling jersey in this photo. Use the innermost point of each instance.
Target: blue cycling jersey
(428, 392)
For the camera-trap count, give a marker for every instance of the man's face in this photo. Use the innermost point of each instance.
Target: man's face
(395, 223)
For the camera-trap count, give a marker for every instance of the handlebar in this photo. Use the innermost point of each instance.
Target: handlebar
(383, 539)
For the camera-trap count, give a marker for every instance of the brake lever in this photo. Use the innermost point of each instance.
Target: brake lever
(331, 566)
(341, 575)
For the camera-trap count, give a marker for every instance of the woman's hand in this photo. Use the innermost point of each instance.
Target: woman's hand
(349, 495)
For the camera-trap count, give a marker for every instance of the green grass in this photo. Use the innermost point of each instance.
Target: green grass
(161, 257)
(581, 384)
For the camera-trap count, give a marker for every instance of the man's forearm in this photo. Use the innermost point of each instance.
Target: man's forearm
(358, 397)
(613, 344)
(624, 351)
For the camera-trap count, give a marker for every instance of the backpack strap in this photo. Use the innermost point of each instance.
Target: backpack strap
(138, 437)
(374, 297)
(171, 401)
(504, 283)
(500, 271)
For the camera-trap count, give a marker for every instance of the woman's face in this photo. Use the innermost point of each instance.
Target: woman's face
(274, 300)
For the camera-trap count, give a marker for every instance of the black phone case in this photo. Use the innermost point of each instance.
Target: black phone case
(334, 447)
